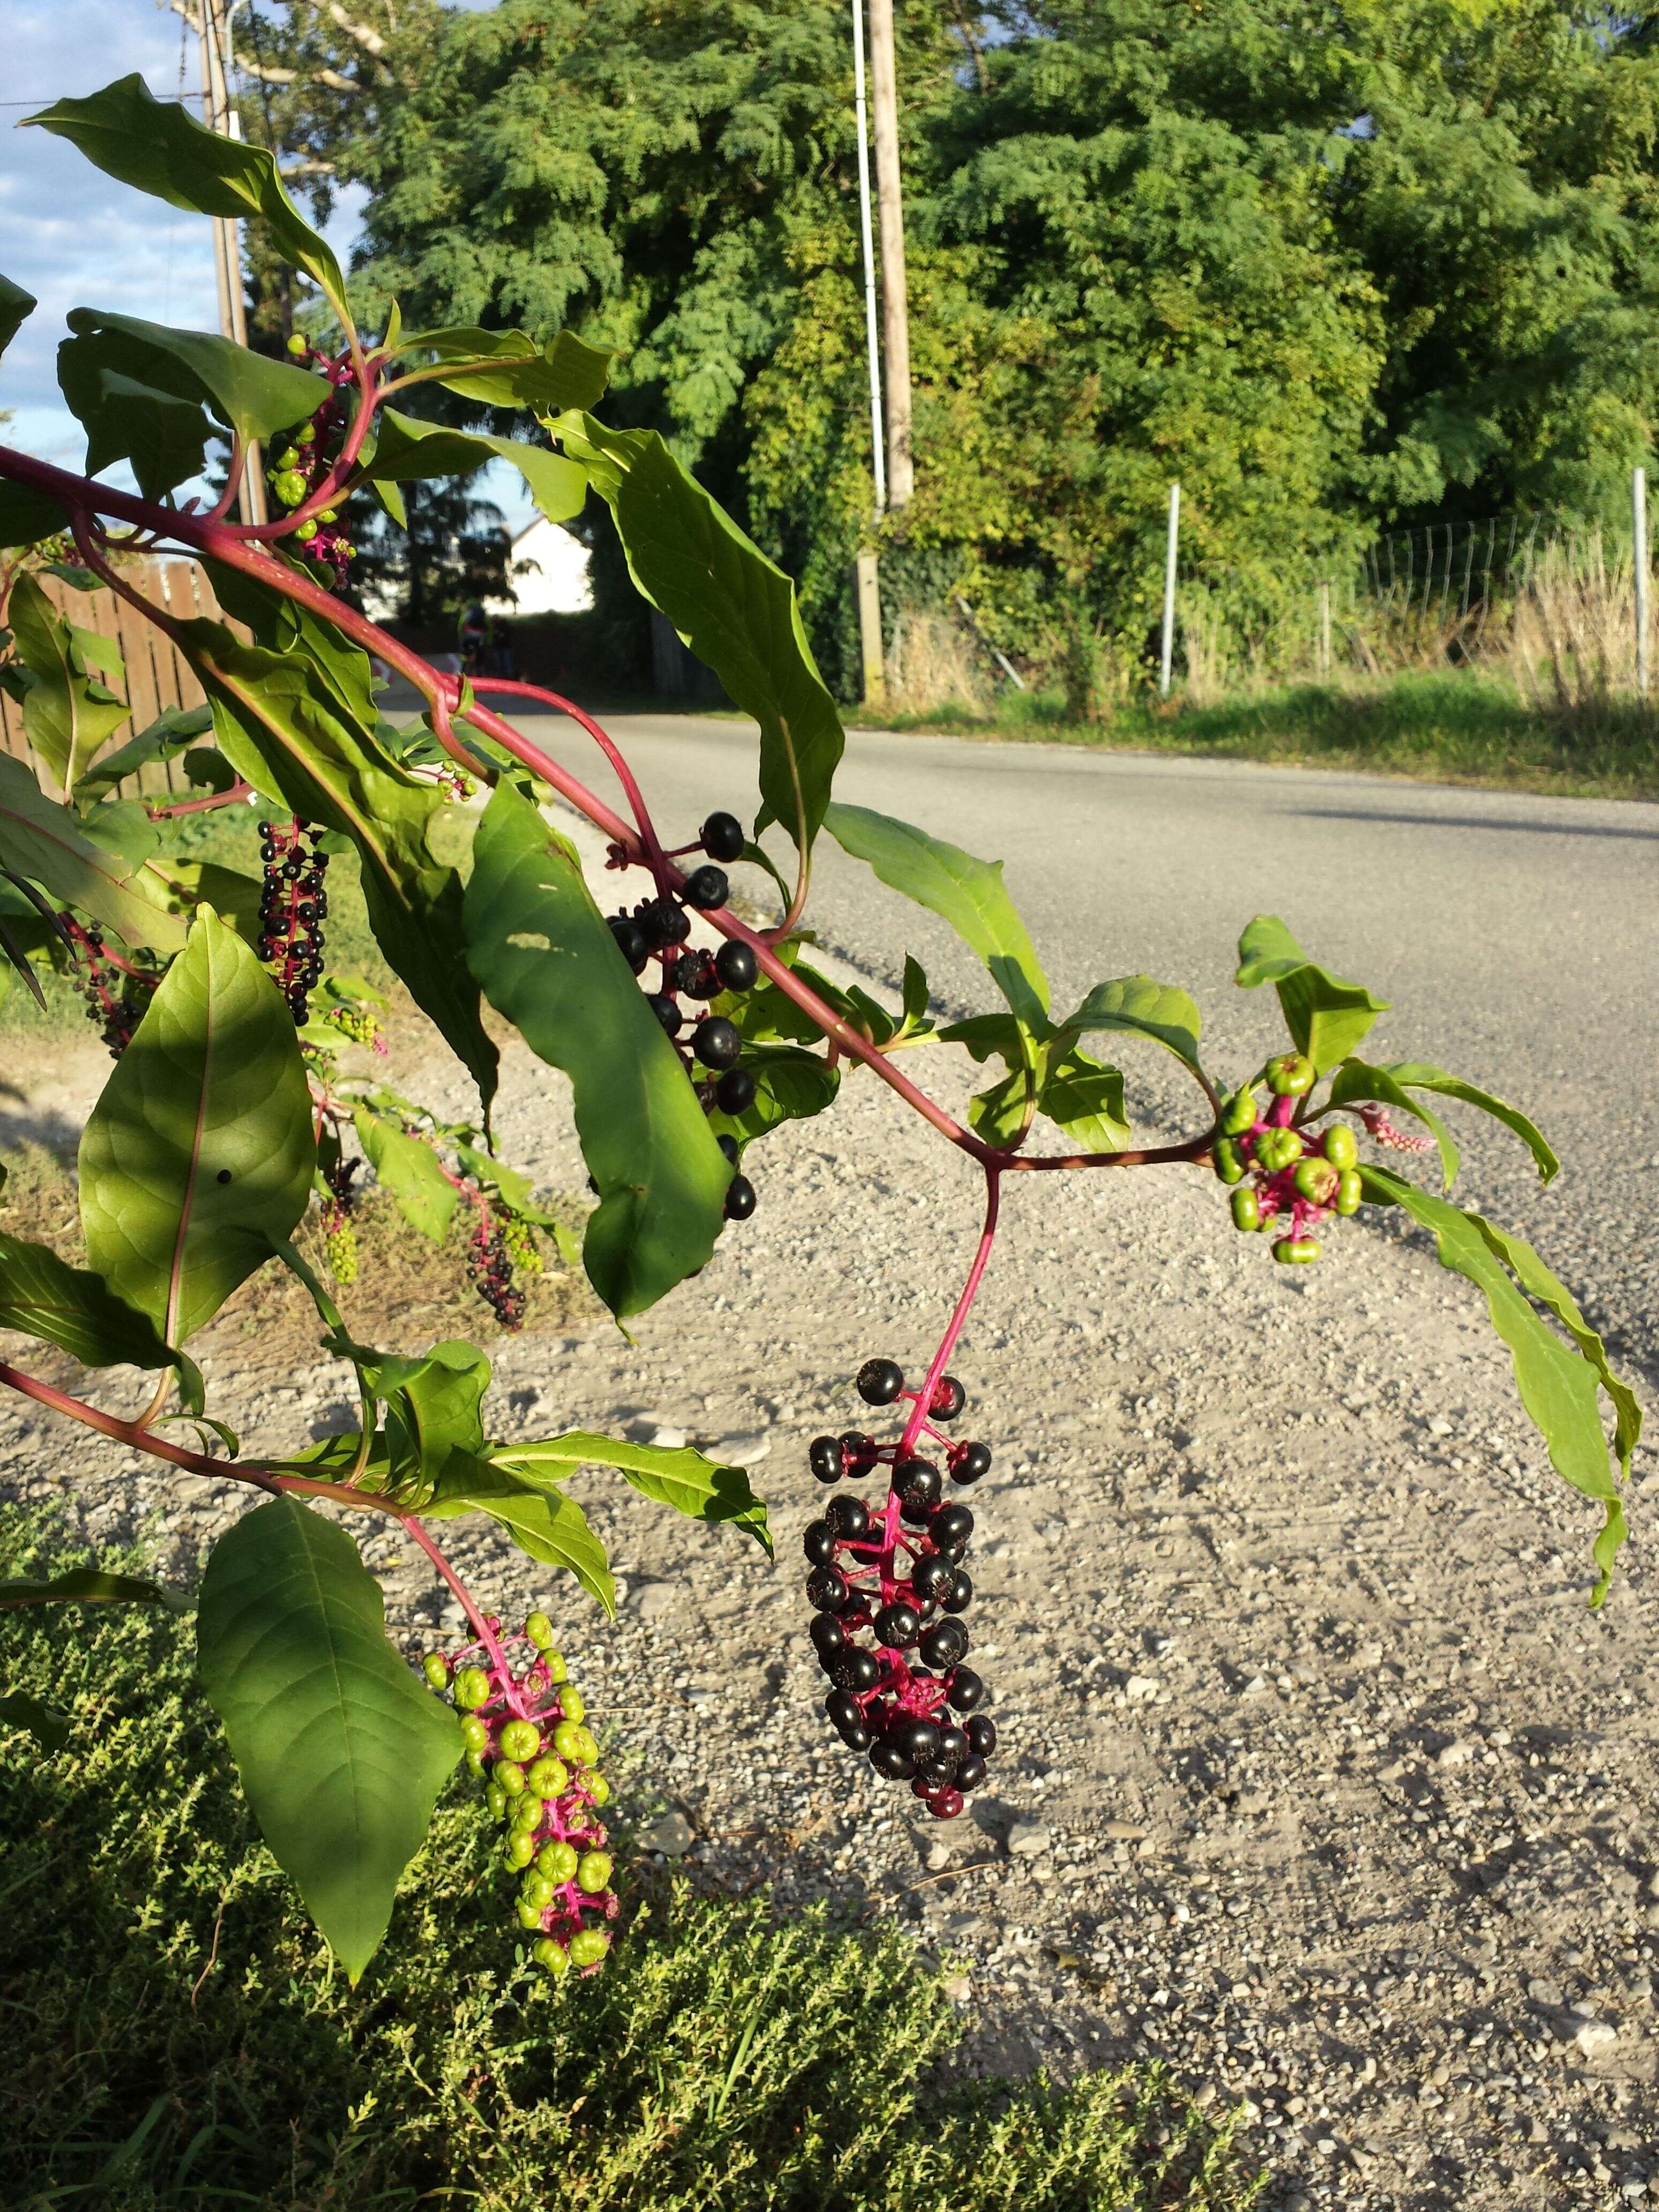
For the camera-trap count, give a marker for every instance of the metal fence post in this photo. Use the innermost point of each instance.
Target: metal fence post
(1325, 628)
(1169, 591)
(1639, 515)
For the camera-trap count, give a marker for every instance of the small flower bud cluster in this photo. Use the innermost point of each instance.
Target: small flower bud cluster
(1276, 1169)
(710, 1049)
(118, 995)
(295, 469)
(339, 1236)
(888, 1587)
(527, 1739)
(358, 1026)
(292, 909)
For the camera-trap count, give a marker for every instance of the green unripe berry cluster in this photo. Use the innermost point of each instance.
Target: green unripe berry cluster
(1292, 1169)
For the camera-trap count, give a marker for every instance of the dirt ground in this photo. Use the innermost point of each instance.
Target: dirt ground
(1317, 1778)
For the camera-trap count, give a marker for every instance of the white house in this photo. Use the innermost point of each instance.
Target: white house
(550, 571)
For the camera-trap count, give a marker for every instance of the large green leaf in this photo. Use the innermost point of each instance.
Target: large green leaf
(410, 1171)
(1354, 1081)
(16, 306)
(26, 515)
(968, 893)
(49, 1727)
(172, 729)
(161, 430)
(433, 1403)
(200, 1151)
(1558, 1381)
(249, 392)
(278, 720)
(340, 1752)
(541, 949)
(90, 1586)
(540, 1519)
(1083, 1097)
(508, 368)
(1140, 1007)
(44, 1296)
(1419, 1075)
(409, 449)
(156, 147)
(68, 710)
(699, 1487)
(43, 841)
(734, 607)
(1327, 1016)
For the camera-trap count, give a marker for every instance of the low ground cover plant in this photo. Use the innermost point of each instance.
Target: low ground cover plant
(224, 1109)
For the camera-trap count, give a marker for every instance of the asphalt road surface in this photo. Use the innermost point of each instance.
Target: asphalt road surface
(1515, 936)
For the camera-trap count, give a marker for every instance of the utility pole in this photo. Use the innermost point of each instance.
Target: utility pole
(213, 24)
(868, 579)
(1167, 661)
(1639, 515)
(896, 320)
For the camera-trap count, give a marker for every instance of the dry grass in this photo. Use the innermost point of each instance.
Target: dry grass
(1572, 642)
(935, 664)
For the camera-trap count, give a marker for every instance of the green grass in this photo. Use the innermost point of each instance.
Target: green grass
(178, 2039)
(1446, 728)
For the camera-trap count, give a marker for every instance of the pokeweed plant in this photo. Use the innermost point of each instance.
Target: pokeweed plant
(223, 1109)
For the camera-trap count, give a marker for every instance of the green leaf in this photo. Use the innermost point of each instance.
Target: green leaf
(734, 607)
(433, 1404)
(44, 842)
(1083, 1097)
(26, 515)
(1558, 1381)
(699, 1487)
(158, 148)
(200, 1151)
(411, 1172)
(167, 735)
(67, 712)
(91, 1586)
(790, 1086)
(968, 893)
(538, 1518)
(16, 306)
(44, 1296)
(546, 960)
(278, 722)
(282, 626)
(49, 1727)
(913, 994)
(249, 392)
(508, 368)
(1354, 1080)
(1327, 1016)
(341, 1753)
(1138, 1006)
(1417, 1075)
(163, 433)
(183, 885)
(409, 449)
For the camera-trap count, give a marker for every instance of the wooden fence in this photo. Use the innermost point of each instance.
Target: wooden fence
(156, 678)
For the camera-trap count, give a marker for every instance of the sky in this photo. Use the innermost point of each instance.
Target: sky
(75, 238)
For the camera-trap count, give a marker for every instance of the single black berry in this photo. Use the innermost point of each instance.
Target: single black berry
(847, 1515)
(827, 1634)
(736, 966)
(664, 922)
(931, 1576)
(953, 1747)
(915, 1736)
(715, 1042)
(879, 1381)
(970, 1773)
(842, 1710)
(740, 1198)
(827, 1590)
(735, 1091)
(943, 1644)
(855, 1668)
(706, 887)
(917, 1482)
(823, 1457)
(898, 1626)
(980, 1731)
(964, 1688)
(958, 1597)
(721, 837)
(949, 1399)
(969, 1462)
(860, 1451)
(951, 1527)
(887, 1759)
(818, 1543)
(685, 973)
(665, 1011)
(729, 1146)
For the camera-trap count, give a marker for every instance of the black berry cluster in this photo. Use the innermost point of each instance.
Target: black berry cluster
(708, 1045)
(490, 1268)
(296, 468)
(117, 994)
(292, 909)
(889, 1588)
(524, 1727)
(339, 1234)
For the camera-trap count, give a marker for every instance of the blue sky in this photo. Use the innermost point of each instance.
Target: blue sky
(75, 238)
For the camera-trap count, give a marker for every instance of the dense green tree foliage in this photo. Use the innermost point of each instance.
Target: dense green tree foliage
(1329, 264)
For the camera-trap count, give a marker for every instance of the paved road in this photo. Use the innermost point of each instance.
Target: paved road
(1516, 935)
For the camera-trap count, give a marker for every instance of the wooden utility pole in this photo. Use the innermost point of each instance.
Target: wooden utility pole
(212, 24)
(895, 315)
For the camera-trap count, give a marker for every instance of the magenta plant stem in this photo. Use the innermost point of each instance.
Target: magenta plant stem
(924, 1399)
(480, 1627)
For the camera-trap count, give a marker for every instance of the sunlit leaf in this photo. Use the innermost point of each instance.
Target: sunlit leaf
(44, 842)
(540, 1519)
(410, 1172)
(409, 449)
(700, 1487)
(69, 711)
(508, 368)
(42, 1296)
(1327, 1016)
(1137, 1006)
